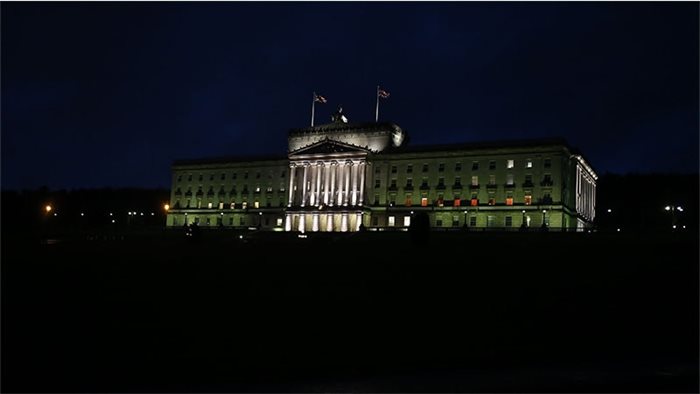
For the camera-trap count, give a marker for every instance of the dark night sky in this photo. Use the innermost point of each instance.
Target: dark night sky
(109, 94)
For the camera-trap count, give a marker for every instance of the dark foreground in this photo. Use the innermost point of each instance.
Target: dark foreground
(375, 312)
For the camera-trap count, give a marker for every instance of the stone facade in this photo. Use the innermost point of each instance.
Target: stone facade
(339, 176)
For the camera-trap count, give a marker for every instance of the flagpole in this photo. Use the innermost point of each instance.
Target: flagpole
(376, 111)
(313, 107)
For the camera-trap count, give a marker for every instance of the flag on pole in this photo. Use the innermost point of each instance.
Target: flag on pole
(319, 98)
(382, 93)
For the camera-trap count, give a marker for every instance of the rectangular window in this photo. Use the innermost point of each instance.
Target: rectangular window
(440, 200)
(509, 200)
(221, 205)
(393, 183)
(234, 176)
(424, 202)
(492, 179)
(393, 169)
(377, 170)
(547, 163)
(244, 205)
(492, 165)
(406, 221)
(492, 200)
(409, 182)
(457, 202)
(201, 177)
(376, 199)
(179, 178)
(441, 167)
(528, 164)
(458, 166)
(208, 221)
(458, 181)
(241, 221)
(511, 163)
(392, 221)
(189, 178)
(438, 222)
(245, 175)
(233, 205)
(256, 204)
(409, 200)
(490, 221)
(257, 175)
(375, 220)
(425, 168)
(475, 165)
(509, 180)
(474, 202)
(377, 183)
(210, 205)
(455, 220)
(528, 199)
(230, 221)
(472, 221)
(509, 221)
(211, 177)
(392, 199)
(441, 182)
(223, 177)
(409, 169)
(475, 180)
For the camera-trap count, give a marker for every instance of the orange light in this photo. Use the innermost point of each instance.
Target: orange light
(166, 207)
(48, 208)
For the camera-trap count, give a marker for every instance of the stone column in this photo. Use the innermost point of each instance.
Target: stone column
(362, 170)
(326, 178)
(347, 183)
(314, 222)
(312, 186)
(329, 222)
(344, 222)
(354, 172)
(292, 170)
(341, 171)
(303, 185)
(334, 168)
(358, 221)
(288, 222)
(319, 174)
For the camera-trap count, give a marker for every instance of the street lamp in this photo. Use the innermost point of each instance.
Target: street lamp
(673, 209)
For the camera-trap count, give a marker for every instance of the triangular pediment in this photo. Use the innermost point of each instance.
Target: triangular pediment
(328, 146)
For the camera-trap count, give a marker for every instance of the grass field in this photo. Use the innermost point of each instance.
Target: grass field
(370, 312)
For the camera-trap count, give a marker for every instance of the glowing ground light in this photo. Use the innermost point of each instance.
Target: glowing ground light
(113, 221)
(166, 207)
(609, 210)
(48, 208)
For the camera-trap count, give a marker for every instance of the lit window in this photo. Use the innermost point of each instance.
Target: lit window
(424, 202)
(509, 200)
(528, 199)
(257, 189)
(475, 180)
(529, 164)
(392, 221)
(221, 205)
(409, 200)
(474, 201)
(256, 204)
(245, 204)
(233, 205)
(279, 222)
(511, 163)
(457, 202)
(210, 205)
(406, 221)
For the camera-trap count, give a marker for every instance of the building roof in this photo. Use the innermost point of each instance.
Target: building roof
(496, 144)
(345, 127)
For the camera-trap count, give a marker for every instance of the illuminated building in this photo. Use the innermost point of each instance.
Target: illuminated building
(339, 175)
